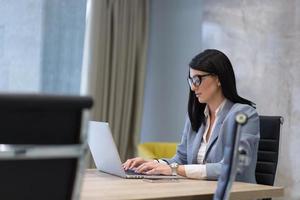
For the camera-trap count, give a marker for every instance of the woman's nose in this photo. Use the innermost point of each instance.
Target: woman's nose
(193, 88)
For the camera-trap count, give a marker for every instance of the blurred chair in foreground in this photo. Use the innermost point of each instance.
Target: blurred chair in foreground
(42, 146)
(233, 157)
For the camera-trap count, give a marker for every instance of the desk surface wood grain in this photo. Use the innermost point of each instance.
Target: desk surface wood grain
(97, 185)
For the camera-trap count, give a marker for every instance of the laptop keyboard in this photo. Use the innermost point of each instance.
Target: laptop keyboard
(132, 172)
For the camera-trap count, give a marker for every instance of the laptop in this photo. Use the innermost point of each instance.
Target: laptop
(106, 155)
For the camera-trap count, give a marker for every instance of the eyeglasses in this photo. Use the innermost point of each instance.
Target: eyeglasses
(196, 80)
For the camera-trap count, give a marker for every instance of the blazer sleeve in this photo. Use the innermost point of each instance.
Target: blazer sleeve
(181, 152)
(248, 141)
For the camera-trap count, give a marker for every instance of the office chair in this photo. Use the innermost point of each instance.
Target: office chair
(42, 146)
(232, 157)
(268, 149)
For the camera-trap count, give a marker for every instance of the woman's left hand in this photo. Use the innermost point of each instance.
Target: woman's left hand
(154, 168)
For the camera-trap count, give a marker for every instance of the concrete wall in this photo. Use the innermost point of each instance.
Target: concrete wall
(261, 38)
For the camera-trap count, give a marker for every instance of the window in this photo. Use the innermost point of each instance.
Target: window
(41, 45)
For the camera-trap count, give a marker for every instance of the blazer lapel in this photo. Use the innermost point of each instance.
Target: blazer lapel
(196, 144)
(219, 122)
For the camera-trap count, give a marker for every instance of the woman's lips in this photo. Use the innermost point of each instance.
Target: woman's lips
(198, 94)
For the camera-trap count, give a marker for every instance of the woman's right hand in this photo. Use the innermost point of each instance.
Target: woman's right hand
(133, 163)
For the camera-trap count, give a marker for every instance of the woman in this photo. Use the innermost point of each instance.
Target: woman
(213, 99)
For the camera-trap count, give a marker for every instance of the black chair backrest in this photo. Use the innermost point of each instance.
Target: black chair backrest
(268, 149)
(41, 146)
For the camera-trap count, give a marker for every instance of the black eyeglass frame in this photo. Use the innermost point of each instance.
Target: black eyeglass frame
(197, 79)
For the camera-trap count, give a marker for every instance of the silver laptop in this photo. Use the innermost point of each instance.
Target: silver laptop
(106, 156)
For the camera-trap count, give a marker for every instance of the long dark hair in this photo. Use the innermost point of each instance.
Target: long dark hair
(217, 63)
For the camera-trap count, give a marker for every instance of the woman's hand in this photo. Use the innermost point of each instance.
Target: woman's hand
(133, 162)
(154, 168)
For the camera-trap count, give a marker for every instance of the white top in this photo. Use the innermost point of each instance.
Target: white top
(198, 171)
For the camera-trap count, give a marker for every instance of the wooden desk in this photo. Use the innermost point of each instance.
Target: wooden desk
(97, 185)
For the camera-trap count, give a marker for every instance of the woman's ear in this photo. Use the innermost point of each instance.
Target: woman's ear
(218, 82)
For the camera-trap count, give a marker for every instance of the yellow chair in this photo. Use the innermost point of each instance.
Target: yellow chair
(151, 150)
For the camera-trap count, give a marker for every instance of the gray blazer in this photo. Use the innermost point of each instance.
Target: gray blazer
(188, 149)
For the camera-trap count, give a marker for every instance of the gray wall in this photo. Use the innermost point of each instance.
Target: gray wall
(174, 38)
(262, 40)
